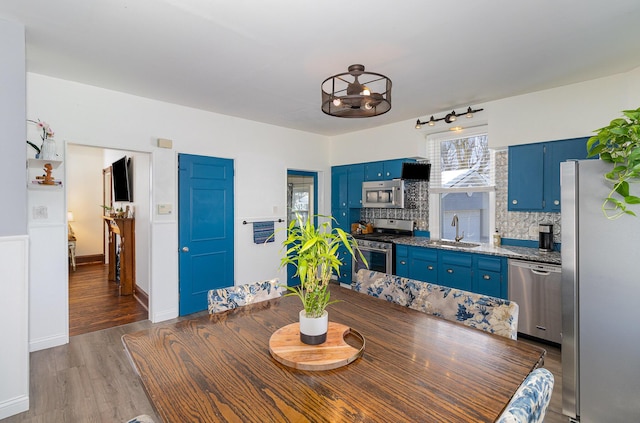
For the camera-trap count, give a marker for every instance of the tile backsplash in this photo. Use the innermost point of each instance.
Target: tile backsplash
(516, 225)
(416, 203)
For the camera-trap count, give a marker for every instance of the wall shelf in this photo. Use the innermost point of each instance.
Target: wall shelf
(39, 163)
(35, 168)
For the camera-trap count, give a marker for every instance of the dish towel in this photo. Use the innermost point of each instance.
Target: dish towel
(262, 231)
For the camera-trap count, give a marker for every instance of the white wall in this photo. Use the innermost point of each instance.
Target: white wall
(566, 112)
(84, 197)
(394, 141)
(14, 257)
(261, 153)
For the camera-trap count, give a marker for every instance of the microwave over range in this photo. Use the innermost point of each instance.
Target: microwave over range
(383, 194)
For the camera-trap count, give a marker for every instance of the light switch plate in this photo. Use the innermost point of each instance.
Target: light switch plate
(165, 208)
(165, 143)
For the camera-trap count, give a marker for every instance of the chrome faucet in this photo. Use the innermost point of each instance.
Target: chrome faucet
(456, 224)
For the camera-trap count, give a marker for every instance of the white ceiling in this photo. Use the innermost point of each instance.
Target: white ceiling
(264, 60)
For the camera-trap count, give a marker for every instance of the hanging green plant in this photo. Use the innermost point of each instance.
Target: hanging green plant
(619, 144)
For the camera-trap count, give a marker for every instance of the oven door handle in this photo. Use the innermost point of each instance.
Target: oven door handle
(374, 250)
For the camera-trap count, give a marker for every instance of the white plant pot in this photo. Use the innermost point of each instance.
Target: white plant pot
(48, 150)
(313, 330)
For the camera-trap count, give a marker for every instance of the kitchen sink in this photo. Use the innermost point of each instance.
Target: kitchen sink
(452, 243)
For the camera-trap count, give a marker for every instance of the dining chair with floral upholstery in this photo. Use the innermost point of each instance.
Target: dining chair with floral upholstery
(236, 296)
(491, 314)
(529, 403)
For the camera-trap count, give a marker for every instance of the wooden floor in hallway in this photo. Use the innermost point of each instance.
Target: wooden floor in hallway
(94, 303)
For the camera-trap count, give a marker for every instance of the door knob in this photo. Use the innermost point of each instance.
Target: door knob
(185, 249)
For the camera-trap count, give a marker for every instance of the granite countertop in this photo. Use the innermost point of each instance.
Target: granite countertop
(521, 253)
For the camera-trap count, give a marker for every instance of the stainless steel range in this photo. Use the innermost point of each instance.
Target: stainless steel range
(377, 247)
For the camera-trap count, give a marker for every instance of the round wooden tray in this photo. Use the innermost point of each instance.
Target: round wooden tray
(285, 346)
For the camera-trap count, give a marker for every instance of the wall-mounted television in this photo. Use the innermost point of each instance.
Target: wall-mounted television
(121, 173)
(416, 171)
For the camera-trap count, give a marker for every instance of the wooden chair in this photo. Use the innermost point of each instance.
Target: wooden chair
(236, 296)
(483, 312)
(529, 403)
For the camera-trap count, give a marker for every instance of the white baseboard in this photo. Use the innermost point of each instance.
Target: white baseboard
(48, 342)
(14, 406)
(165, 315)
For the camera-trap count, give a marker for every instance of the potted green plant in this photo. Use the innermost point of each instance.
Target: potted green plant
(314, 253)
(619, 144)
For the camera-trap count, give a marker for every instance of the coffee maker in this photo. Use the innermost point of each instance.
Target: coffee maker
(545, 237)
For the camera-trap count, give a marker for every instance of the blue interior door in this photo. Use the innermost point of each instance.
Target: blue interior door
(302, 198)
(205, 187)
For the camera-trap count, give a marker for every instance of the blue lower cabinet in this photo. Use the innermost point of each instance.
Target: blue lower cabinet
(423, 264)
(347, 265)
(490, 276)
(402, 261)
(455, 270)
(480, 273)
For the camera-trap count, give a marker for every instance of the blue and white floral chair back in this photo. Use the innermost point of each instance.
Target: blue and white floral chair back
(237, 296)
(529, 403)
(143, 418)
(487, 313)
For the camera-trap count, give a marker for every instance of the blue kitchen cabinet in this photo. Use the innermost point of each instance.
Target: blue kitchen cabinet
(534, 173)
(526, 169)
(384, 170)
(558, 152)
(355, 178)
(339, 186)
(480, 273)
(423, 264)
(342, 219)
(455, 270)
(393, 168)
(347, 265)
(374, 171)
(402, 261)
(490, 275)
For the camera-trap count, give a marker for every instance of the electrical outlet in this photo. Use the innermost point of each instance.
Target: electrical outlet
(40, 212)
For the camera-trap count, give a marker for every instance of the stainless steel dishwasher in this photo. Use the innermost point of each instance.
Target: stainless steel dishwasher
(536, 288)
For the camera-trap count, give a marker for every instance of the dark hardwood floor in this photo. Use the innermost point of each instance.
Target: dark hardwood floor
(90, 379)
(94, 303)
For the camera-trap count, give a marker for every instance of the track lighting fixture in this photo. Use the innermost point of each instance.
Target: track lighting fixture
(449, 118)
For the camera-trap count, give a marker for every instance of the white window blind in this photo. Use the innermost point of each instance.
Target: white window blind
(460, 164)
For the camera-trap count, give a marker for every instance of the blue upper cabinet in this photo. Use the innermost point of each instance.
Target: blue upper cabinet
(393, 168)
(355, 179)
(339, 186)
(534, 173)
(558, 152)
(374, 171)
(384, 171)
(346, 180)
(526, 169)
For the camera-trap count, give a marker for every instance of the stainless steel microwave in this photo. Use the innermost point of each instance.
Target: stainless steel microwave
(383, 194)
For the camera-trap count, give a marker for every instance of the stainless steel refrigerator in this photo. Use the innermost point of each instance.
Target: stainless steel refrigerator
(600, 300)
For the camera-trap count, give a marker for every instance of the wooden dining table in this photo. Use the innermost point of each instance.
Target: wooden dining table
(415, 367)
